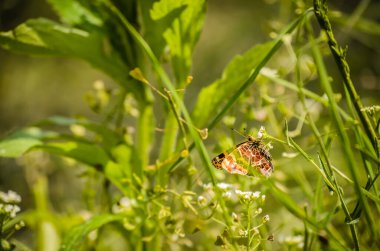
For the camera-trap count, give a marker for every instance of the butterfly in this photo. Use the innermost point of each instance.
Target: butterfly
(245, 158)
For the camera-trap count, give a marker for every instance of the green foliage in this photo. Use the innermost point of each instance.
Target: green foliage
(236, 72)
(326, 168)
(77, 235)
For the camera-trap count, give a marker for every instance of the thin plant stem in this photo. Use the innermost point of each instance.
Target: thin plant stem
(339, 54)
(345, 141)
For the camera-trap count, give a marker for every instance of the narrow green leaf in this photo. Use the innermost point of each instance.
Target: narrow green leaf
(238, 70)
(20, 142)
(15, 147)
(109, 137)
(86, 153)
(75, 237)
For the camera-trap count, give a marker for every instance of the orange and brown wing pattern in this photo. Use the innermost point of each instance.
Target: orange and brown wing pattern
(245, 156)
(228, 162)
(256, 155)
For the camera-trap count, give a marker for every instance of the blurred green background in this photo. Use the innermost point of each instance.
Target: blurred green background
(35, 88)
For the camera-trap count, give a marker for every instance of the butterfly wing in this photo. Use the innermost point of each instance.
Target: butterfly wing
(228, 162)
(245, 158)
(254, 154)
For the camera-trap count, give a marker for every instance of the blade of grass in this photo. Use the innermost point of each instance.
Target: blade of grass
(344, 138)
(339, 54)
(360, 139)
(310, 159)
(324, 160)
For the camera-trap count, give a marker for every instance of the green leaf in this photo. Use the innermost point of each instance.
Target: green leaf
(45, 37)
(20, 142)
(75, 237)
(184, 33)
(237, 71)
(25, 39)
(73, 13)
(17, 146)
(86, 153)
(120, 172)
(155, 27)
(117, 174)
(110, 138)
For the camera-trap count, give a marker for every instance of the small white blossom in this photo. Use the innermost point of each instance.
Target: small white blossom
(294, 241)
(202, 202)
(248, 196)
(256, 194)
(127, 202)
(10, 197)
(125, 205)
(224, 186)
(243, 232)
(259, 210)
(261, 132)
(12, 210)
(263, 198)
(227, 195)
(266, 218)
(207, 186)
(255, 231)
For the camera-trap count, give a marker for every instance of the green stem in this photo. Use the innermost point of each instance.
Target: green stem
(339, 54)
(168, 143)
(326, 158)
(345, 140)
(144, 136)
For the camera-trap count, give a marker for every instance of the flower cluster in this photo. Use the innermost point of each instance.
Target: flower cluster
(125, 205)
(245, 208)
(8, 211)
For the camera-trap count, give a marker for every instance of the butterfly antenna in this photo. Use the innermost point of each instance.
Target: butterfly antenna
(242, 134)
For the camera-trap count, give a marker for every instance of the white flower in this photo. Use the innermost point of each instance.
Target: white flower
(12, 210)
(202, 202)
(256, 194)
(294, 240)
(227, 195)
(263, 198)
(127, 202)
(243, 232)
(125, 205)
(224, 186)
(261, 132)
(249, 196)
(266, 218)
(207, 186)
(10, 197)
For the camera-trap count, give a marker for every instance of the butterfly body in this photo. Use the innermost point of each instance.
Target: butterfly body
(246, 158)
